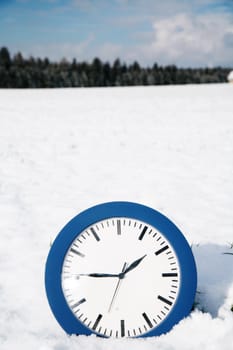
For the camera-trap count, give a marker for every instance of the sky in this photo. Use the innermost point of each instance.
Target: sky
(186, 33)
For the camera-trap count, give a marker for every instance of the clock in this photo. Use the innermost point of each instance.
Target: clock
(120, 269)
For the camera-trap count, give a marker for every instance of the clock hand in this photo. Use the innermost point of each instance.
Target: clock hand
(131, 267)
(98, 274)
(120, 275)
(117, 287)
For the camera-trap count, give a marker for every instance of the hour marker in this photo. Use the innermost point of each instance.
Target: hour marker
(119, 227)
(143, 233)
(166, 301)
(122, 328)
(77, 252)
(148, 321)
(170, 274)
(94, 234)
(78, 303)
(161, 250)
(97, 321)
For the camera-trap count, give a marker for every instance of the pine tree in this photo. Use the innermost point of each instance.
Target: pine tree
(5, 59)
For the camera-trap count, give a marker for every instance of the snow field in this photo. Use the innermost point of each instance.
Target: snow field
(65, 150)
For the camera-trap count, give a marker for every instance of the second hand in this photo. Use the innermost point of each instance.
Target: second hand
(117, 288)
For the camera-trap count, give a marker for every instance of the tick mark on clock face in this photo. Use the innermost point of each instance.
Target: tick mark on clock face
(164, 300)
(78, 303)
(77, 252)
(170, 274)
(142, 234)
(122, 328)
(94, 234)
(97, 321)
(161, 250)
(148, 321)
(119, 227)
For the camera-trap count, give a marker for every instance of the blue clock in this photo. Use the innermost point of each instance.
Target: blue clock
(120, 269)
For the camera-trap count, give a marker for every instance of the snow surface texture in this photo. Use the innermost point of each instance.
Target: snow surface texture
(62, 151)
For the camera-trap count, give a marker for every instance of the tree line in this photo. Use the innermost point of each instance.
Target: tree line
(20, 72)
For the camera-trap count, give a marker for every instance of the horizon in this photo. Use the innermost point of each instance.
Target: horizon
(111, 63)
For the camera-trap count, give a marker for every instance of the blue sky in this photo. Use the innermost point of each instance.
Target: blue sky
(181, 32)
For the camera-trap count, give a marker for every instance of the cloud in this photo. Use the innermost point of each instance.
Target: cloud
(189, 40)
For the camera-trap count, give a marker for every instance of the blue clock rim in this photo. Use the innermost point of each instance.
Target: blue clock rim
(79, 223)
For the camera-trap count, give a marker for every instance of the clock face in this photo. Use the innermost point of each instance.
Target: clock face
(120, 269)
(120, 277)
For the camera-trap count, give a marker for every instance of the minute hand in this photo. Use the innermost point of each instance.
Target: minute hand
(131, 266)
(99, 275)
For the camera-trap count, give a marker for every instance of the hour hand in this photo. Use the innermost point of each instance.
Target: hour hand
(132, 266)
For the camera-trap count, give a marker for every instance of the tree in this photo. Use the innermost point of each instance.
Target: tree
(18, 60)
(97, 73)
(5, 59)
(39, 73)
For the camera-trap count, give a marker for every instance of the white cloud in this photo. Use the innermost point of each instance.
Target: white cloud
(185, 39)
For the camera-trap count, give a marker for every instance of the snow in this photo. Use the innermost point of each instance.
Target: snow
(65, 150)
(230, 76)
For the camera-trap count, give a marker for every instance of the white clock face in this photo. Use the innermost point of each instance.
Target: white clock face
(120, 277)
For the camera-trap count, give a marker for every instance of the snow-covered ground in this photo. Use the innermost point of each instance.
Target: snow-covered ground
(62, 151)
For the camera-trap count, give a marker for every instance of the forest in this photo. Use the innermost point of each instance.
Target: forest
(19, 72)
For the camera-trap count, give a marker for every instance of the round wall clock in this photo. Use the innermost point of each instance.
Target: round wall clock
(120, 269)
